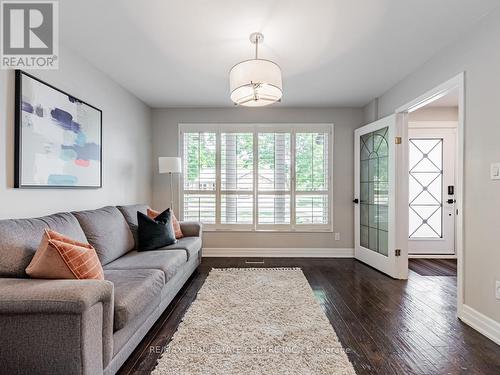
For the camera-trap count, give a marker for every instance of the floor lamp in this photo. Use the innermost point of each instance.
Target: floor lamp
(170, 165)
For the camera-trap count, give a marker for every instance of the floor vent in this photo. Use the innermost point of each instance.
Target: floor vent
(254, 261)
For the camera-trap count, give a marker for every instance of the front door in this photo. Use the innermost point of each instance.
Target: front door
(431, 185)
(375, 197)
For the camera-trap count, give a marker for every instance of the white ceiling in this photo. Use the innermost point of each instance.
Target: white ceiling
(332, 52)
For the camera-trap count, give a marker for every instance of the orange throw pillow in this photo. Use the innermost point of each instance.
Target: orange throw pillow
(60, 257)
(175, 223)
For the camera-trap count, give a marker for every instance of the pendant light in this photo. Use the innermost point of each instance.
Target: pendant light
(255, 82)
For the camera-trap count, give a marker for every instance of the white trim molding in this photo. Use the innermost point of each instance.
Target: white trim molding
(432, 256)
(457, 81)
(481, 323)
(278, 252)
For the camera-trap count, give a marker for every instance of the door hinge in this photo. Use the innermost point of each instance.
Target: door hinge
(397, 140)
(397, 252)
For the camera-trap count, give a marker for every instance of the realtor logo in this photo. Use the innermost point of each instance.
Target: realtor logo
(29, 35)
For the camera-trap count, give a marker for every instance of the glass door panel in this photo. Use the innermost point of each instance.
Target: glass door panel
(425, 187)
(374, 190)
(377, 232)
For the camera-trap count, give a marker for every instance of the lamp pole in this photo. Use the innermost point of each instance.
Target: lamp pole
(170, 165)
(171, 192)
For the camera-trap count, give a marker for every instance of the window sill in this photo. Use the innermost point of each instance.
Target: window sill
(206, 228)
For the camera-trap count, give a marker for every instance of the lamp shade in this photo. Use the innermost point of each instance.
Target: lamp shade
(169, 164)
(255, 83)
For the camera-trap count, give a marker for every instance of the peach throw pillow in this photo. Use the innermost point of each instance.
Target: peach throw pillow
(175, 223)
(60, 257)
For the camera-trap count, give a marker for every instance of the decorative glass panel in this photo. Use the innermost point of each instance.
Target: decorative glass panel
(425, 187)
(374, 191)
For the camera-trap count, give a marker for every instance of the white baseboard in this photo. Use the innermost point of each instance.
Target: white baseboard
(279, 252)
(432, 256)
(481, 323)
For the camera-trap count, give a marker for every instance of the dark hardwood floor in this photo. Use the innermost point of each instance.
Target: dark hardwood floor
(388, 326)
(433, 267)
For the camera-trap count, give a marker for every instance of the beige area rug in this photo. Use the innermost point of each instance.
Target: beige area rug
(255, 321)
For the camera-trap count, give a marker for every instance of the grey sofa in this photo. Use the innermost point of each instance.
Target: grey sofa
(86, 326)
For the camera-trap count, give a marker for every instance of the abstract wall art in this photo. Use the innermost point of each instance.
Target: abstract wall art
(58, 138)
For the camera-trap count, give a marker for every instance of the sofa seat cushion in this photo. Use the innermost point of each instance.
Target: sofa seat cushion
(106, 230)
(136, 293)
(20, 238)
(191, 245)
(168, 261)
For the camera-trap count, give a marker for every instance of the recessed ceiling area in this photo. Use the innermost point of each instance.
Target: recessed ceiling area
(449, 100)
(331, 52)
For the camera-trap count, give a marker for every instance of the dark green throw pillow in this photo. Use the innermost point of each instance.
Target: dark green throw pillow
(157, 233)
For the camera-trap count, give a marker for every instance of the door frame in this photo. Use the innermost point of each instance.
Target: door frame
(455, 82)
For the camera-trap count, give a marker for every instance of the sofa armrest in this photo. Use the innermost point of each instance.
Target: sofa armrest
(55, 326)
(191, 228)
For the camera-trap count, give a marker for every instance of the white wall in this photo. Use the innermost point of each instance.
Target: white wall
(478, 54)
(434, 114)
(127, 164)
(345, 120)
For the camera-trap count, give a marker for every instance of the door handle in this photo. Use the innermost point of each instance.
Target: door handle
(355, 201)
(450, 201)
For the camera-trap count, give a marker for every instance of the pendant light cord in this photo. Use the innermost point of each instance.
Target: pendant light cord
(256, 48)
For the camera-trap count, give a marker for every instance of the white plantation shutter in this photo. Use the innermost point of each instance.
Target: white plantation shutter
(199, 155)
(311, 188)
(236, 178)
(258, 177)
(199, 207)
(274, 178)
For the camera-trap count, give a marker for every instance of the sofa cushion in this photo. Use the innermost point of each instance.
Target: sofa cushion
(106, 230)
(136, 292)
(130, 214)
(191, 245)
(19, 239)
(169, 261)
(61, 257)
(155, 233)
(175, 223)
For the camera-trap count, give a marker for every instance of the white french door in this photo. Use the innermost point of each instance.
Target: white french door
(431, 191)
(375, 198)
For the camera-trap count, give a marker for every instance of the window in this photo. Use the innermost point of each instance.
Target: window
(274, 184)
(200, 178)
(236, 154)
(257, 177)
(425, 187)
(311, 160)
